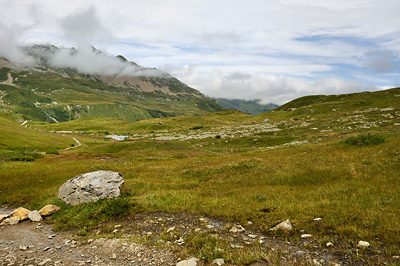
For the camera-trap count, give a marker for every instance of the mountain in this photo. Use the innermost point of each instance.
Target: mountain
(252, 107)
(60, 84)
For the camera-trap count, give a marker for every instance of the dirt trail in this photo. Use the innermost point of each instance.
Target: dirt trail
(30, 243)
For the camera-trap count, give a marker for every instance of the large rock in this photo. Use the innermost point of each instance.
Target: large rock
(90, 187)
(49, 209)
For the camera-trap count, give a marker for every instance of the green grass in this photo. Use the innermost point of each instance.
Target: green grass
(259, 178)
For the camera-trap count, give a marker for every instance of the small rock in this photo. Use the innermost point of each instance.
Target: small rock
(11, 220)
(49, 209)
(306, 236)
(114, 256)
(285, 226)
(44, 262)
(180, 241)
(35, 216)
(117, 226)
(116, 231)
(317, 219)
(171, 229)
(189, 262)
(252, 236)
(329, 244)
(396, 257)
(23, 247)
(197, 230)
(316, 262)
(249, 223)
(236, 246)
(21, 212)
(363, 244)
(237, 229)
(218, 262)
(4, 216)
(210, 226)
(46, 249)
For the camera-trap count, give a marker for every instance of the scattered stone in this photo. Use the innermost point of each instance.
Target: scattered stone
(22, 247)
(285, 226)
(116, 231)
(396, 257)
(316, 262)
(218, 262)
(21, 212)
(237, 229)
(252, 236)
(329, 244)
(210, 226)
(189, 262)
(317, 219)
(114, 256)
(180, 241)
(171, 229)
(46, 249)
(236, 246)
(44, 262)
(197, 230)
(249, 223)
(11, 220)
(306, 236)
(35, 216)
(49, 209)
(363, 244)
(90, 187)
(117, 226)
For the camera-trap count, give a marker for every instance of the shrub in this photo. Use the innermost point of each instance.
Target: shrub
(365, 140)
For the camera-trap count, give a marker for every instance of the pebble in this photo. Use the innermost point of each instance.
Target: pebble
(44, 262)
(306, 236)
(218, 262)
(237, 229)
(329, 244)
(171, 229)
(363, 244)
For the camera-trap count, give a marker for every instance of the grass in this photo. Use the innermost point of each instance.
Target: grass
(353, 188)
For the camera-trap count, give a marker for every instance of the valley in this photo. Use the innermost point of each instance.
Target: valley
(335, 158)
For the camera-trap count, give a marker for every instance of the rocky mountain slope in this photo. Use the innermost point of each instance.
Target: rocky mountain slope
(58, 84)
(253, 107)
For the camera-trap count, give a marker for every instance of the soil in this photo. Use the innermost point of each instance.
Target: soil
(143, 239)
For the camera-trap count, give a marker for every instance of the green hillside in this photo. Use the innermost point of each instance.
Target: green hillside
(335, 158)
(53, 94)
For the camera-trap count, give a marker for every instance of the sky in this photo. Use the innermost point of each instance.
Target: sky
(272, 50)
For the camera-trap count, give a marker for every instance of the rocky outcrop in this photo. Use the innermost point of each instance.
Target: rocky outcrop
(91, 187)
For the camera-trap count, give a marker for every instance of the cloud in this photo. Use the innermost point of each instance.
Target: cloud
(382, 61)
(84, 27)
(9, 44)
(267, 88)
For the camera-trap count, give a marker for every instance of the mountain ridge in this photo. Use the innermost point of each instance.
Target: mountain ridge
(52, 85)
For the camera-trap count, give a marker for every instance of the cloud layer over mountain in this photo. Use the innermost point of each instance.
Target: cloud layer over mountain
(272, 50)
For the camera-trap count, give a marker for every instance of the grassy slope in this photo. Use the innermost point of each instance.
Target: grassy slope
(354, 189)
(40, 94)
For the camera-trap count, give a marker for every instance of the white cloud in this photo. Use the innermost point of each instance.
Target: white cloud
(206, 43)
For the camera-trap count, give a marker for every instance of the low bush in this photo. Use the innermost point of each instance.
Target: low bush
(365, 140)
